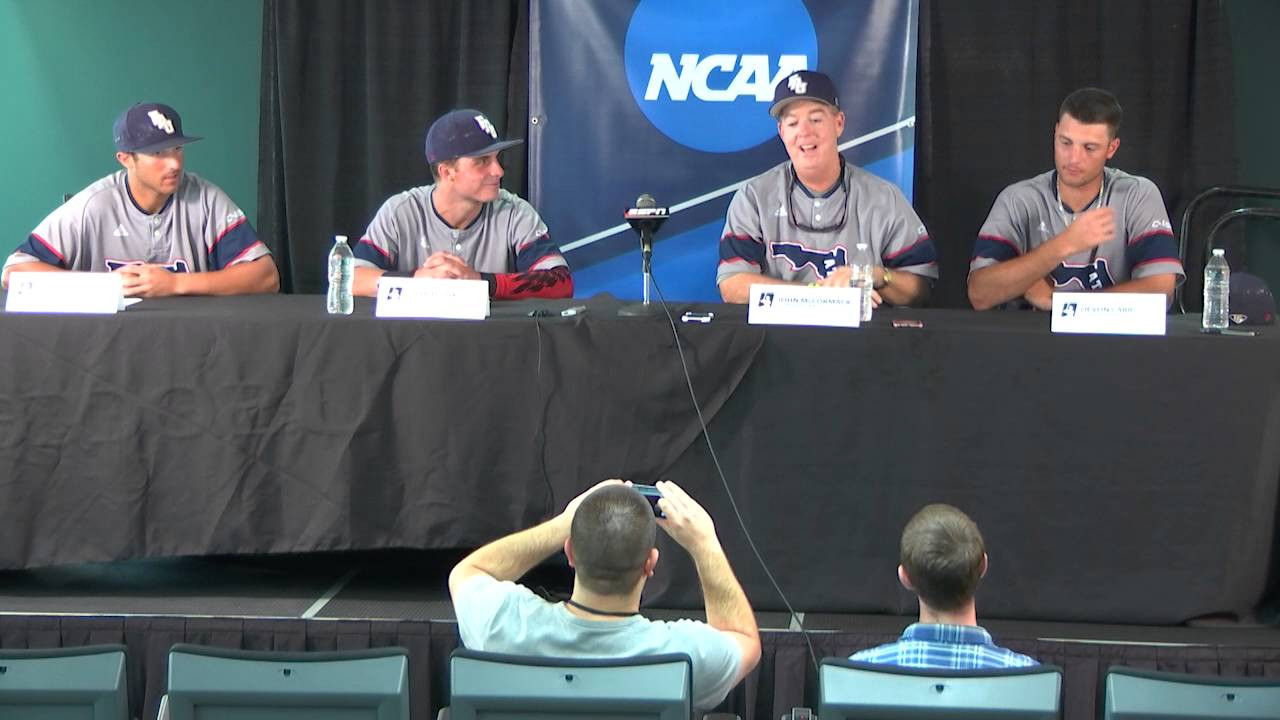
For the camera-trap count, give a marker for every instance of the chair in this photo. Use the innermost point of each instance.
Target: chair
(1195, 210)
(1133, 694)
(251, 685)
(491, 685)
(64, 683)
(849, 689)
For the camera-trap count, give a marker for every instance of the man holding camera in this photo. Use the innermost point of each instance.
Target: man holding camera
(608, 535)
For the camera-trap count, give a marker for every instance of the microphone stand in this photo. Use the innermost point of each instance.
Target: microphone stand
(644, 308)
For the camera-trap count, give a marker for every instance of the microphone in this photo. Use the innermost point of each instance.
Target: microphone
(645, 218)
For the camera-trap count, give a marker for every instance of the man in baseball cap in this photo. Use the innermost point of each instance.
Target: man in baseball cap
(464, 226)
(800, 222)
(164, 230)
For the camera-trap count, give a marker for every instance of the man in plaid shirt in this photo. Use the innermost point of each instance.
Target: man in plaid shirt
(942, 558)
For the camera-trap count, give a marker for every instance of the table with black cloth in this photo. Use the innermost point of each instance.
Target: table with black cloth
(1116, 479)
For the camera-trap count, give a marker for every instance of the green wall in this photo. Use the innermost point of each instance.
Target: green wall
(68, 67)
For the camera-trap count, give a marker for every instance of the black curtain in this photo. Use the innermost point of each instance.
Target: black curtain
(992, 74)
(349, 88)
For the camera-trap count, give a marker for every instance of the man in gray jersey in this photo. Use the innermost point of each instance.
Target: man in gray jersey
(1080, 227)
(165, 231)
(801, 221)
(464, 226)
(608, 535)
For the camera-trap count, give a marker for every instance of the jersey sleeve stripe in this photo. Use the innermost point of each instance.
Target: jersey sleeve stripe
(895, 255)
(730, 261)
(223, 234)
(51, 249)
(995, 248)
(381, 258)
(1148, 261)
(244, 252)
(1150, 233)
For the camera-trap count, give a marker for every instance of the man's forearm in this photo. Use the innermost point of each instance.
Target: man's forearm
(510, 557)
(1004, 281)
(737, 288)
(1155, 284)
(257, 276)
(905, 289)
(726, 603)
(28, 267)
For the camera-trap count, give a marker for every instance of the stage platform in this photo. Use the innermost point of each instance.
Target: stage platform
(325, 601)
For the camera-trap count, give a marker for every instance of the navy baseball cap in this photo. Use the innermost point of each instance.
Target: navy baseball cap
(149, 127)
(804, 85)
(1251, 302)
(463, 133)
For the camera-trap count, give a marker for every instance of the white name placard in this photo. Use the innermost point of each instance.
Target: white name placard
(801, 305)
(65, 292)
(1109, 313)
(431, 298)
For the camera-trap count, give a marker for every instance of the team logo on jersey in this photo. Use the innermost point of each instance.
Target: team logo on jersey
(178, 265)
(161, 122)
(1161, 225)
(703, 72)
(487, 126)
(798, 256)
(1044, 229)
(1091, 276)
(120, 231)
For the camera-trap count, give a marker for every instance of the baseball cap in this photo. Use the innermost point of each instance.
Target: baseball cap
(149, 127)
(1251, 302)
(463, 133)
(803, 85)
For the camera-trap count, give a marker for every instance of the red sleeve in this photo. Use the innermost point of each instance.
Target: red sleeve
(554, 282)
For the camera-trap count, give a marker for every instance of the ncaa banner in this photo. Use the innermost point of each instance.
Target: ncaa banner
(671, 98)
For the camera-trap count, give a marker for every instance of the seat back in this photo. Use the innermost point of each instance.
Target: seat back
(64, 683)
(491, 685)
(1133, 694)
(850, 689)
(220, 684)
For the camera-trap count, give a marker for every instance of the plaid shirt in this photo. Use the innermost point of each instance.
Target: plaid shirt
(952, 647)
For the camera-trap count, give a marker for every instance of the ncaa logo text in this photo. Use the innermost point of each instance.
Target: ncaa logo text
(751, 76)
(703, 72)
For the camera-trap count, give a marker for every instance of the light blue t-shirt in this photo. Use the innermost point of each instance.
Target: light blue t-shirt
(504, 617)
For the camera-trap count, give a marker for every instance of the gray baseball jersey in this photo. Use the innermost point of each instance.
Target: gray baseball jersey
(507, 236)
(776, 227)
(101, 229)
(1027, 214)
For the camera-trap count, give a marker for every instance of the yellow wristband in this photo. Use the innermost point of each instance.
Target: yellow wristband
(888, 277)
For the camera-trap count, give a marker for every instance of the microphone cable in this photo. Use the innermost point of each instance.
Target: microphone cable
(715, 460)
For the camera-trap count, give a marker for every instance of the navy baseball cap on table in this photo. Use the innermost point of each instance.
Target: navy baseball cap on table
(1251, 302)
(803, 85)
(463, 133)
(149, 127)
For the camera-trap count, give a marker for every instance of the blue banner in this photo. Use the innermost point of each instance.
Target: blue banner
(671, 98)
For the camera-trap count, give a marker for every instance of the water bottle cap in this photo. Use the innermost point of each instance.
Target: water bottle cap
(340, 238)
(1219, 252)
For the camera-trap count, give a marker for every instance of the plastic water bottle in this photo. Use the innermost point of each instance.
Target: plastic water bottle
(1217, 291)
(341, 260)
(861, 275)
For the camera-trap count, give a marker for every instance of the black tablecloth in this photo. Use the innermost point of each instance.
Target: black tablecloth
(1123, 479)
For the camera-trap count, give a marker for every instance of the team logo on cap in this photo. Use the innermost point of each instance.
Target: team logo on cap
(797, 84)
(703, 73)
(487, 126)
(161, 122)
